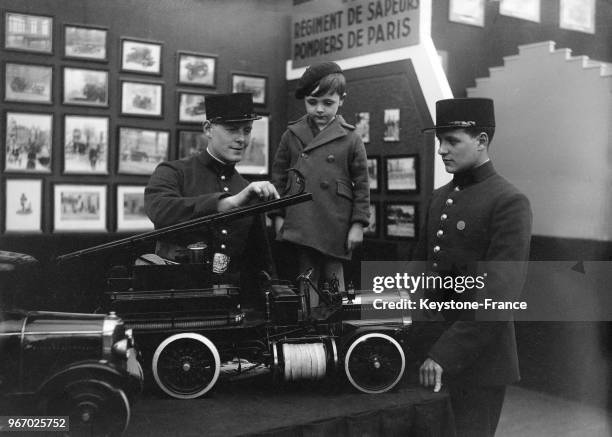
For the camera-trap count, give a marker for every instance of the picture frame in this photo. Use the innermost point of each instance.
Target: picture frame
(401, 220)
(143, 99)
(471, 12)
(28, 33)
(141, 56)
(79, 208)
(29, 142)
(86, 144)
(524, 10)
(191, 107)
(191, 143)
(577, 15)
(197, 69)
(141, 150)
(392, 125)
(373, 227)
(257, 154)
(85, 87)
(256, 84)
(131, 214)
(402, 173)
(86, 42)
(362, 126)
(23, 205)
(28, 83)
(374, 174)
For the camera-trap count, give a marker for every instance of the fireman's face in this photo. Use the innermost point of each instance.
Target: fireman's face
(227, 142)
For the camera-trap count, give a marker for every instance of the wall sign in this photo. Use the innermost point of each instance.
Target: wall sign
(339, 29)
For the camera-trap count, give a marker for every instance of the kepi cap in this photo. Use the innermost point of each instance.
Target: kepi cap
(313, 75)
(464, 113)
(230, 108)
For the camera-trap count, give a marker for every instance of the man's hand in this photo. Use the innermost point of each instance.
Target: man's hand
(278, 224)
(355, 237)
(260, 190)
(430, 374)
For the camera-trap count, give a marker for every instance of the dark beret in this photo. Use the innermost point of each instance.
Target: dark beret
(313, 75)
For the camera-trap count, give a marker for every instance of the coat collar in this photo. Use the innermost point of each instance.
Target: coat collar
(333, 131)
(215, 165)
(474, 175)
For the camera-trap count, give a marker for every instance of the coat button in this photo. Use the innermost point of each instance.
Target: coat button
(304, 155)
(449, 202)
(436, 249)
(325, 185)
(225, 189)
(331, 158)
(461, 225)
(440, 233)
(443, 217)
(222, 177)
(224, 231)
(457, 188)
(223, 246)
(434, 265)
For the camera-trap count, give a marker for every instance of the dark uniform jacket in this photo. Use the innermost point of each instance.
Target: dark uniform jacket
(192, 187)
(334, 164)
(478, 223)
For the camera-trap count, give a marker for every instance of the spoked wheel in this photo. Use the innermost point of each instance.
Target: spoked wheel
(95, 408)
(186, 366)
(374, 363)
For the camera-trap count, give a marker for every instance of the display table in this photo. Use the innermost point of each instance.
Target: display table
(257, 408)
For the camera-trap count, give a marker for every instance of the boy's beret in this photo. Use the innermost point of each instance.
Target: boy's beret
(313, 74)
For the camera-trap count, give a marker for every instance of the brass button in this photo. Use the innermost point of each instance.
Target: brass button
(325, 185)
(440, 233)
(449, 202)
(222, 177)
(304, 155)
(223, 246)
(457, 188)
(225, 189)
(443, 217)
(435, 265)
(436, 249)
(461, 225)
(331, 158)
(224, 231)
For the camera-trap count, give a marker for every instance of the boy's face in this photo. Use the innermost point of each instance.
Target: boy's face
(460, 151)
(228, 141)
(323, 109)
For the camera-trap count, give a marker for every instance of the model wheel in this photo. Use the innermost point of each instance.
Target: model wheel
(186, 366)
(374, 363)
(95, 408)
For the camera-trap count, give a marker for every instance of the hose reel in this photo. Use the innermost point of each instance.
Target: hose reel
(304, 359)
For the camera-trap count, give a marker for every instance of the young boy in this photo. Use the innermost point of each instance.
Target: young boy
(332, 158)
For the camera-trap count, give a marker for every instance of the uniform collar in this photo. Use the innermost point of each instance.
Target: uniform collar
(304, 132)
(474, 175)
(214, 164)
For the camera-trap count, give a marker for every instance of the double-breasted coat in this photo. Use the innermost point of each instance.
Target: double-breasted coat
(334, 165)
(478, 224)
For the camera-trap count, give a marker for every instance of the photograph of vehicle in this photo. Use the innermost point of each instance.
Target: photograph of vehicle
(140, 150)
(131, 215)
(400, 220)
(85, 87)
(197, 69)
(28, 83)
(141, 98)
(191, 107)
(84, 42)
(79, 208)
(140, 56)
(255, 84)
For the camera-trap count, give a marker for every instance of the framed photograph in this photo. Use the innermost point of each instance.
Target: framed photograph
(85, 144)
(191, 107)
(131, 214)
(30, 33)
(392, 125)
(402, 173)
(191, 143)
(140, 150)
(23, 205)
(578, 15)
(400, 220)
(85, 87)
(523, 9)
(255, 84)
(372, 229)
(197, 69)
(28, 142)
(141, 56)
(256, 155)
(79, 208)
(374, 174)
(362, 126)
(141, 98)
(28, 83)
(470, 12)
(85, 42)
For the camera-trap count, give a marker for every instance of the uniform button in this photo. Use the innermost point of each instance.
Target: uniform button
(440, 233)
(222, 177)
(224, 231)
(304, 155)
(225, 189)
(223, 246)
(325, 185)
(449, 202)
(443, 217)
(457, 188)
(436, 249)
(435, 265)
(331, 158)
